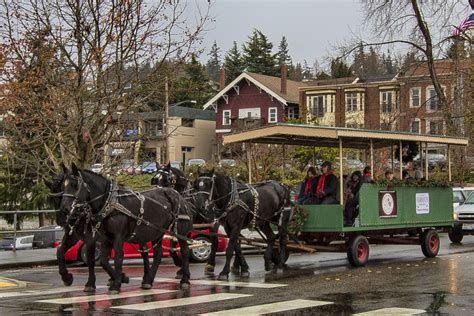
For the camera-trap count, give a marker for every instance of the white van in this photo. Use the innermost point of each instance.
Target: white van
(463, 216)
(20, 242)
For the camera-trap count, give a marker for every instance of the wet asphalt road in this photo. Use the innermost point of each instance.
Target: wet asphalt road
(395, 277)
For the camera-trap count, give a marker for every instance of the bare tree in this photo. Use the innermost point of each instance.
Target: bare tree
(68, 67)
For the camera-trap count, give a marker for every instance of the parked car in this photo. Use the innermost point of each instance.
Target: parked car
(434, 161)
(460, 194)
(227, 163)
(196, 162)
(147, 167)
(20, 242)
(49, 237)
(97, 168)
(198, 254)
(463, 220)
(176, 164)
(127, 168)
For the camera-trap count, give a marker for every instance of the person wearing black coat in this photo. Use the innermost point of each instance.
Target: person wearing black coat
(308, 186)
(326, 186)
(350, 209)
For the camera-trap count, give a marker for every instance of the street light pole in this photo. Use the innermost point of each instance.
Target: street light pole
(167, 141)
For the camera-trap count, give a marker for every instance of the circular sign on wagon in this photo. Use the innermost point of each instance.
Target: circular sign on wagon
(387, 204)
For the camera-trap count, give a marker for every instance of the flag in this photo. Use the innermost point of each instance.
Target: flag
(465, 25)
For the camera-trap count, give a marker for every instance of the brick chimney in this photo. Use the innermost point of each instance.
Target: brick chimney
(222, 79)
(284, 79)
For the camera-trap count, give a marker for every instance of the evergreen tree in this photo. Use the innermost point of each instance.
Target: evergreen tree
(295, 72)
(282, 55)
(307, 74)
(321, 75)
(388, 65)
(195, 84)
(373, 64)
(258, 55)
(339, 69)
(213, 65)
(233, 64)
(359, 65)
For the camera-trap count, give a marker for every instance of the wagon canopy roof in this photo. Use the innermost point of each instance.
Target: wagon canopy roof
(324, 136)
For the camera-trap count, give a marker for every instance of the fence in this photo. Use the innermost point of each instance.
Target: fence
(15, 222)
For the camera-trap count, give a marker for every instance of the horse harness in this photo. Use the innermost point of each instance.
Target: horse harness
(112, 204)
(234, 200)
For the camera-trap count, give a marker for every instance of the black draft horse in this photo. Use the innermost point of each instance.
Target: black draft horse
(121, 215)
(238, 206)
(75, 230)
(174, 178)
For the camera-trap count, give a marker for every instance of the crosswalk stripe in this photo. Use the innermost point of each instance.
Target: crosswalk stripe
(45, 292)
(269, 308)
(393, 311)
(182, 301)
(103, 297)
(225, 283)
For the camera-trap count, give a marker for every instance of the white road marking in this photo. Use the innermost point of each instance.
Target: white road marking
(45, 292)
(269, 308)
(224, 283)
(181, 301)
(393, 311)
(103, 297)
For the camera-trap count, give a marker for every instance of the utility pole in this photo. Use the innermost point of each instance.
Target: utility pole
(166, 130)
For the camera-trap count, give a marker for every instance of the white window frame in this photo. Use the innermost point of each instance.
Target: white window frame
(411, 97)
(434, 119)
(243, 113)
(428, 98)
(291, 112)
(353, 96)
(315, 105)
(384, 101)
(226, 115)
(419, 125)
(275, 119)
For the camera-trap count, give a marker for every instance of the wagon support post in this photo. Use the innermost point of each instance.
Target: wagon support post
(400, 152)
(341, 177)
(372, 158)
(449, 163)
(426, 161)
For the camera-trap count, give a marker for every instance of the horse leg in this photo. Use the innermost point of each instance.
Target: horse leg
(90, 255)
(267, 230)
(147, 282)
(67, 242)
(229, 252)
(176, 259)
(184, 227)
(211, 262)
(146, 259)
(118, 262)
(240, 261)
(283, 232)
(106, 249)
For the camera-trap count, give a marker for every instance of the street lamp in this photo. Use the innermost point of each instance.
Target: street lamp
(166, 116)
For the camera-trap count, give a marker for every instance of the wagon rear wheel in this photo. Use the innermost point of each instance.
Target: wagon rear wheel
(358, 251)
(430, 243)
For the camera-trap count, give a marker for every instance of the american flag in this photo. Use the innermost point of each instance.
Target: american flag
(467, 24)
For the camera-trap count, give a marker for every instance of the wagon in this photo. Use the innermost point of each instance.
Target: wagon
(395, 214)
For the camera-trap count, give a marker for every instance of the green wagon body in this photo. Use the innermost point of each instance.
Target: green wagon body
(439, 212)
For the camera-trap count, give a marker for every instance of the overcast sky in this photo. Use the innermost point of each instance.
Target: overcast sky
(312, 27)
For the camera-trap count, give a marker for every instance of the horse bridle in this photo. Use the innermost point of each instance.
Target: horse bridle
(169, 176)
(209, 200)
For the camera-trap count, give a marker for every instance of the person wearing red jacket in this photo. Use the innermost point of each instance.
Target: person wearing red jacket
(326, 187)
(308, 187)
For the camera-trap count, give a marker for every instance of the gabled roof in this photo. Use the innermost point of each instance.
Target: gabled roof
(269, 84)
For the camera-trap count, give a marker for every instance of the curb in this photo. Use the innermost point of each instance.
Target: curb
(10, 265)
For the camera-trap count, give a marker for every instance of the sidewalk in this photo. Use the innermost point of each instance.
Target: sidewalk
(27, 258)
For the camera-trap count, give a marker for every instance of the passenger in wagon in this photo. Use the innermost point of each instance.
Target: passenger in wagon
(352, 199)
(308, 187)
(326, 186)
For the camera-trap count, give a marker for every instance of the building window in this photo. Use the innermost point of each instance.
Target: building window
(415, 126)
(351, 102)
(185, 149)
(272, 115)
(186, 122)
(317, 108)
(226, 117)
(387, 104)
(153, 128)
(415, 97)
(249, 113)
(435, 127)
(432, 99)
(291, 113)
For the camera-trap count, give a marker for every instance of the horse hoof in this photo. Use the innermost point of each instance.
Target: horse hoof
(209, 268)
(268, 267)
(234, 270)
(110, 282)
(178, 276)
(245, 274)
(68, 279)
(184, 286)
(279, 270)
(89, 289)
(125, 279)
(146, 286)
(113, 291)
(223, 277)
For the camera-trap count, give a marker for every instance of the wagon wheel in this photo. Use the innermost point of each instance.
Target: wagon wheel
(455, 235)
(358, 251)
(430, 243)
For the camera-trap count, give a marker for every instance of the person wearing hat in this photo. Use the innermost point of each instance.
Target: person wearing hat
(326, 187)
(307, 187)
(352, 198)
